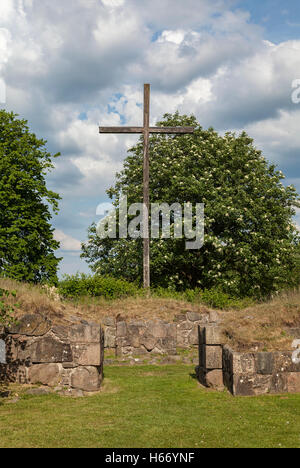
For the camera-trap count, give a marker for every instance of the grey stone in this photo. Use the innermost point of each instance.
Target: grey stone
(197, 317)
(45, 374)
(244, 363)
(86, 354)
(264, 363)
(286, 382)
(121, 329)
(90, 333)
(212, 357)
(183, 339)
(193, 337)
(148, 341)
(50, 350)
(251, 384)
(142, 351)
(214, 379)
(185, 325)
(180, 318)
(171, 330)
(65, 377)
(2, 352)
(211, 335)
(62, 333)
(157, 329)
(138, 323)
(31, 325)
(110, 338)
(135, 340)
(293, 382)
(283, 362)
(86, 379)
(168, 343)
(109, 321)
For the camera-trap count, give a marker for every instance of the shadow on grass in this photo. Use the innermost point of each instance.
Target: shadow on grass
(193, 375)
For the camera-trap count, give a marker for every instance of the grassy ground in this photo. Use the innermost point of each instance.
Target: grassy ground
(156, 407)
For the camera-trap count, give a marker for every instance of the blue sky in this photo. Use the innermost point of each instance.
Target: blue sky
(70, 66)
(279, 19)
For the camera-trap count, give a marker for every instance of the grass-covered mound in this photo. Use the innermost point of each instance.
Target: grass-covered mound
(259, 326)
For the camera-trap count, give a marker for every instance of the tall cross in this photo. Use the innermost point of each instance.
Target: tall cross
(146, 130)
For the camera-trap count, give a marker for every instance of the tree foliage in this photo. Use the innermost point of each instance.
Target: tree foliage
(250, 239)
(26, 237)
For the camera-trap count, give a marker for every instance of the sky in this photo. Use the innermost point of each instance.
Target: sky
(70, 65)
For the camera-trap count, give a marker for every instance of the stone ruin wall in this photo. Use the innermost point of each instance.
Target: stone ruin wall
(70, 357)
(151, 339)
(248, 373)
(67, 357)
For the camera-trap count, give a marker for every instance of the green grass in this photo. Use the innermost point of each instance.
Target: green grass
(156, 407)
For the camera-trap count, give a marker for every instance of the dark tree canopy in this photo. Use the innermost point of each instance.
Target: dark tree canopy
(250, 239)
(26, 237)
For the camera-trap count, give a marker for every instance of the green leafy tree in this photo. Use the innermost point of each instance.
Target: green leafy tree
(26, 237)
(250, 239)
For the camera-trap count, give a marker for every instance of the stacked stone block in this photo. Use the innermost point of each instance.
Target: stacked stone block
(210, 367)
(68, 357)
(244, 374)
(260, 373)
(140, 337)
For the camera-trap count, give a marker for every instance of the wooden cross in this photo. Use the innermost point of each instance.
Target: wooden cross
(146, 130)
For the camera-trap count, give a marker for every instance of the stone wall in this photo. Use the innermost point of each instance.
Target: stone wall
(245, 374)
(210, 369)
(260, 373)
(68, 357)
(146, 338)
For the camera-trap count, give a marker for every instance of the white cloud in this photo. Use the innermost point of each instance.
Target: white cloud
(113, 3)
(67, 242)
(90, 58)
(5, 39)
(172, 36)
(255, 88)
(6, 10)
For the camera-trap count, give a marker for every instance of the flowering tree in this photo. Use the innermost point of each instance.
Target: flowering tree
(250, 239)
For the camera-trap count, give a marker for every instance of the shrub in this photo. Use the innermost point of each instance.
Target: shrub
(79, 285)
(221, 300)
(215, 298)
(6, 311)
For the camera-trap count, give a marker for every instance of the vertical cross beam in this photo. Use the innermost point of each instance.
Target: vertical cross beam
(146, 130)
(146, 197)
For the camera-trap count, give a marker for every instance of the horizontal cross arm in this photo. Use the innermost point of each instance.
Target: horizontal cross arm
(121, 130)
(173, 130)
(163, 130)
